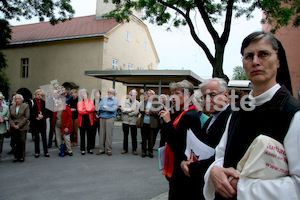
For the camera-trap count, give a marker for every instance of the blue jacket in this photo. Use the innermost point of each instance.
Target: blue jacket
(108, 107)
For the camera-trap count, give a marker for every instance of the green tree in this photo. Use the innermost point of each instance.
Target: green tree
(281, 13)
(5, 35)
(160, 12)
(54, 10)
(239, 73)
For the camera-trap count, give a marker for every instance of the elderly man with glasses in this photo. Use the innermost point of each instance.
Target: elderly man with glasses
(216, 103)
(108, 110)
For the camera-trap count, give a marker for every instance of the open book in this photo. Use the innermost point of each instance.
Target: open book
(195, 149)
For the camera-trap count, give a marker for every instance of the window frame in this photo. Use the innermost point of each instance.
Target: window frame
(129, 66)
(24, 67)
(128, 36)
(115, 64)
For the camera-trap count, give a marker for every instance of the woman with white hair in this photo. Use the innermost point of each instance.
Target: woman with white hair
(86, 109)
(4, 114)
(18, 121)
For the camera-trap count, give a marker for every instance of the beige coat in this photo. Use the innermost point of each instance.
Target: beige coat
(130, 117)
(21, 118)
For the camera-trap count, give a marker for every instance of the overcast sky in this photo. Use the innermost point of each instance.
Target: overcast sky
(176, 49)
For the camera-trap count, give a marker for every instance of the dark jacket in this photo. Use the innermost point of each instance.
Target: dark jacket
(211, 137)
(180, 185)
(37, 125)
(154, 110)
(72, 103)
(272, 119)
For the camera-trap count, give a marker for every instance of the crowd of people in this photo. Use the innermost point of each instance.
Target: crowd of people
(219, 123)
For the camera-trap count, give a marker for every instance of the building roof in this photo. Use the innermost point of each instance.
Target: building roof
(78, 27)
(146, 77)
(240, 84)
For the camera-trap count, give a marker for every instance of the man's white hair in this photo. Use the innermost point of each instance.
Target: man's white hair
(222, 83)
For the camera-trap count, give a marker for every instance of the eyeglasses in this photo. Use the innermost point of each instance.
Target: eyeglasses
(210, 95)
(262, 55)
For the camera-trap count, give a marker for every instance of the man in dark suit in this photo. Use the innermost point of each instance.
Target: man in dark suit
(215, 103)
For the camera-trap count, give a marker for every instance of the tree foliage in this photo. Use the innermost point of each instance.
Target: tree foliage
(5, 35)
(239, 73)
(212, 12)
(281, 13)
(54, 10)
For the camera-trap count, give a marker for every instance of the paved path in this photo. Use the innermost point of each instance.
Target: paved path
(88, 177)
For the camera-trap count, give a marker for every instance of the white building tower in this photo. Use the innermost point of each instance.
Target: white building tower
(103, 8)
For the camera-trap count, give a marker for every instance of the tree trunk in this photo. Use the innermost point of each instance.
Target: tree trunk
(218, 62)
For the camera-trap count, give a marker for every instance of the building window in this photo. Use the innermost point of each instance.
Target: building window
(24, 67)
(115, 64)
(146, 46)
(128, 36)
(129, 66)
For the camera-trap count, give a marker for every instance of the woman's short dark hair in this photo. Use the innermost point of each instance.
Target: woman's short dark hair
(257, 36)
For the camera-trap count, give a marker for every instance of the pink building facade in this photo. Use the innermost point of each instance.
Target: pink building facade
(290, 39)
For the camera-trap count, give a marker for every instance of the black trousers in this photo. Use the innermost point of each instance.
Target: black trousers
(148, 137)
(86, 129)
(18, 140)
(180, 185)
(133, 130)
(36, 131)
(94, 132)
